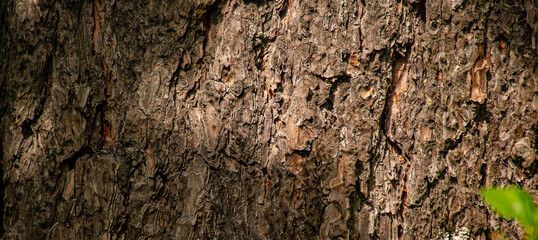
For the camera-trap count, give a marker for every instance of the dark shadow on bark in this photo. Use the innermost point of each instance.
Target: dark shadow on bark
(2, 185)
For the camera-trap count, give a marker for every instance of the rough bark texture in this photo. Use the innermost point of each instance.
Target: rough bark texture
(262, 119)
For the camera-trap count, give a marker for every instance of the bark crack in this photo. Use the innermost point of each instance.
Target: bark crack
(96, 25)
(399, 68)
(29, 122)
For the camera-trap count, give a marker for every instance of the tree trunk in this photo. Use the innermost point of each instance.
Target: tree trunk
(261, 119)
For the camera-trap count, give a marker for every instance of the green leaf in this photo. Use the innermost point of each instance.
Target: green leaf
(512, 202)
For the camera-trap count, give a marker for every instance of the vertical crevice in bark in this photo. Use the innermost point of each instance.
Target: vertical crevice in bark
(484, 174)
(96, 26)
(107, 128)
(395, 91)
(283, 12)
(42, 81)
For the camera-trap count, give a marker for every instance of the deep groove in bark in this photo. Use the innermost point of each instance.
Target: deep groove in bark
(43, 81)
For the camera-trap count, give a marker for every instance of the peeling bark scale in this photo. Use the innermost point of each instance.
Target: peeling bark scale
(259, 119)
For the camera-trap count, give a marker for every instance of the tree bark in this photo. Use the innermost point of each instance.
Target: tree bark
(285, 119)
